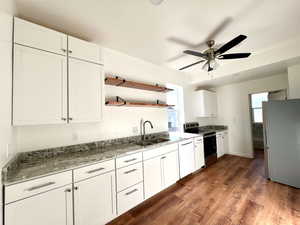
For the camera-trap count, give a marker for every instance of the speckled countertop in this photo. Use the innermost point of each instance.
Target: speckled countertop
(30, 165)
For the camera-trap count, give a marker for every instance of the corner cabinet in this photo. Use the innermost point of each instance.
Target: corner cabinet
(45, 91)
(206, 103)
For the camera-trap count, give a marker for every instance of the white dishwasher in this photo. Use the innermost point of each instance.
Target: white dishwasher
(186, 157)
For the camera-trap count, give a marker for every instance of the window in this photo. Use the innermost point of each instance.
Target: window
(256, 106)
(176, 113)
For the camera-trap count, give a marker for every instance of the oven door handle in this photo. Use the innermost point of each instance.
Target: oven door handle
(213, 135)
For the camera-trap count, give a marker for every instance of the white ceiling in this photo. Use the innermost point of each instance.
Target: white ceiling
(140, 29)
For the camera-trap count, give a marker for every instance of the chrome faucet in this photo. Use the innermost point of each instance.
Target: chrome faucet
(143, 132)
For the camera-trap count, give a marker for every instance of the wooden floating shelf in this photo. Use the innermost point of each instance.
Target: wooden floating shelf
(116, 81)
(136, 104)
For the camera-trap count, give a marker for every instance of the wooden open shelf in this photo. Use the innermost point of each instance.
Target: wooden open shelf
(116, 81)
(136, 104)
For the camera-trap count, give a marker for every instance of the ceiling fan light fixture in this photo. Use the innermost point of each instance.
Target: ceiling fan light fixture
(156, 2)
(213, 65)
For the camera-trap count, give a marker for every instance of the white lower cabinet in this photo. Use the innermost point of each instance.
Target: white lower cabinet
(48, 208)
(187, 157)
(160, 172)
(152, 177)
(170, 169)
(222, 143)
(199, 153)
(95, 200)
(130, 198)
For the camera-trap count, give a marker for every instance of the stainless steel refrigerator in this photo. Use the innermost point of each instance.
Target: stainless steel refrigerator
(282, 141)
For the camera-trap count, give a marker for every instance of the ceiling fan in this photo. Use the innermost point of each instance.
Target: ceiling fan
(212, 54)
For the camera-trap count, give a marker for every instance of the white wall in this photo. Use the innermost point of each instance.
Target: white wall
(294, 81)
(233, 105)
(117, 121)
(6, 132)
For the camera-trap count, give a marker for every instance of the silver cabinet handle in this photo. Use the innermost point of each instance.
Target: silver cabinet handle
(70, 118)
(95, 170)
(186, 143)
(130, 171)
(40, 186)
(63, 119)
(64, 50)
(163, 157)
(130, 160)
(76, 188)
(130, 192)
(70, 51)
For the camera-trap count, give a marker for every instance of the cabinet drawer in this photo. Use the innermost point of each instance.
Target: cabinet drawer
(129, 160)
(129, 176)
(93, 170)
(84, 50)
(130, 198)
(198, 140)
(160, 151)
(29, 188)
(36, 36)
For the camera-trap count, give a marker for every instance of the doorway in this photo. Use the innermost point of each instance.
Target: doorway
(256, 111)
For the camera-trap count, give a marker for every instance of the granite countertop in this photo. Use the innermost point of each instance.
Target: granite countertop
(31, 165)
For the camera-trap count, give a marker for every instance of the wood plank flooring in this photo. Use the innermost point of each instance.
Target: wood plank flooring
(233, 191)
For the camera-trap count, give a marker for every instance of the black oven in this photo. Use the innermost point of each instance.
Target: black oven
(210, 148)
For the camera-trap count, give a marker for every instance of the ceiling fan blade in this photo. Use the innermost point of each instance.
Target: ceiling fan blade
(174, 58)
(199, 54)
(234, 56)
(180, 41)
(231, 44)
(193, 64)
(219, 28)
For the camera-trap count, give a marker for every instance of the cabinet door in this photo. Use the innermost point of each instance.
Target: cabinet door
(52, 207)
(225, 142)
(186, 158)
(220, 145)
(40, 85)
(170, 169)
(95, 200)
(199, 154)
(85, 91)
(84, 50)
(36, 36)
(152, 177)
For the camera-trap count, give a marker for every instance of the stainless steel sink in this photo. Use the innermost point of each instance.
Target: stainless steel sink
(152, 141)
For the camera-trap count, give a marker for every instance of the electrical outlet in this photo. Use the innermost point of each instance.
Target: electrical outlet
(135, 130)
(75, 136)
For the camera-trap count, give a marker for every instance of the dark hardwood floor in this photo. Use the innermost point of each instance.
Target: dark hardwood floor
(233, 191)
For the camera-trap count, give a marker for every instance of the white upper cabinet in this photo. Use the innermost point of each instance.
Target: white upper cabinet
(36, 36)
(49, 208)
(40, 87)
(206, 104)
(84, 50)
(85, 91)
(95, 200)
